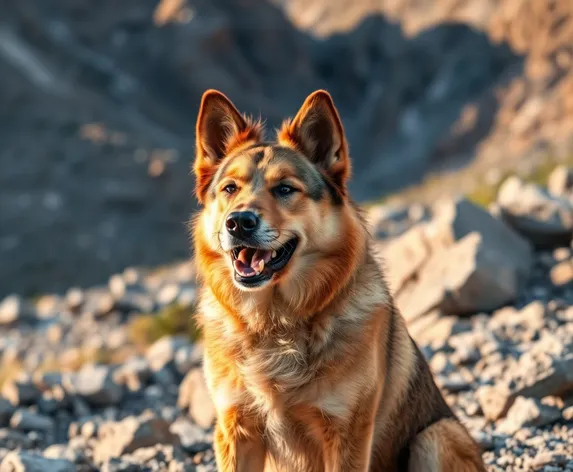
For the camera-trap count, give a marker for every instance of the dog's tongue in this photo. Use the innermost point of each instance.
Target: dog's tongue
(251, 262)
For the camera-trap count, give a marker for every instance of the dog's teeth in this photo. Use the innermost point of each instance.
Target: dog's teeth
(274, 254)
(260, 267)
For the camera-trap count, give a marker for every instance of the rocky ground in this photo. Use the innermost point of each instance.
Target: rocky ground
(108, 378)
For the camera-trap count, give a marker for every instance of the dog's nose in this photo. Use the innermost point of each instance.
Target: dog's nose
(242, 224)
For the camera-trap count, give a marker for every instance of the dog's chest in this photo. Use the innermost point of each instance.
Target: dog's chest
(279, 365)
(283, 367)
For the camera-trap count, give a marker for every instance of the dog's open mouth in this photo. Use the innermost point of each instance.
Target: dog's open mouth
(255, 265)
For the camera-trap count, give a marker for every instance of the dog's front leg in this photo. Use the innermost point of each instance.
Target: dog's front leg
(238, 445)
(347, 446)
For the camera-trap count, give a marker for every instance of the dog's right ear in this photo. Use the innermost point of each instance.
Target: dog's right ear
(317, 132)
(220, 130)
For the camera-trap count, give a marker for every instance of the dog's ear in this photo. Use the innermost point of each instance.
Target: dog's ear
(220, 130)
(317, 132)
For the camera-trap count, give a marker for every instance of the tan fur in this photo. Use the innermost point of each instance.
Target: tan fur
(315, 370)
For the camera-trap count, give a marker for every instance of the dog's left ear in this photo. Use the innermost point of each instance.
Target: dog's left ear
(220, 130)
(317, 132)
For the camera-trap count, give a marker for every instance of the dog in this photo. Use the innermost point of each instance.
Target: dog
(307, 359)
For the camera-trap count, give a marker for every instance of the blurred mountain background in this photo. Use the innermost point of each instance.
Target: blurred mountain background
(98, 103)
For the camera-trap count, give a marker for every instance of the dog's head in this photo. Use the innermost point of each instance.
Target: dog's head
(274, 212)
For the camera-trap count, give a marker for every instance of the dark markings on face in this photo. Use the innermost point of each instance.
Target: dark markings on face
(316, 183)
(311, 177)
(258, 156)
(217, 177)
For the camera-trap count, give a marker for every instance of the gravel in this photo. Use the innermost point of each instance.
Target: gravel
(91, 385)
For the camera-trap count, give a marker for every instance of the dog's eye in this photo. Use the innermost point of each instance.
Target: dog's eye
(284, 189)
(230, 189)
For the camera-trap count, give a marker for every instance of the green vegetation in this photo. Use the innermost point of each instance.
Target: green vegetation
(75, 358)
(484, 194)
(471, 181)
(175, 319)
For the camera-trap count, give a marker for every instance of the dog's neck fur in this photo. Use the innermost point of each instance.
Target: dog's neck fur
(273, 343)
(285, 306)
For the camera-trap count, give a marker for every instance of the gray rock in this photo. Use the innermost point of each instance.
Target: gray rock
(47, 404)
(546, 220)
(80, 407)
(455, 384)
(532, 316)
(136, 301)
(6, 411)
(104, 305)
(75, 298)
(14, 309)
(162, 353)
(494, 401)
(25, 420)
(482, 279)
(89, 429)
(63, 451)
(193, 438)
(484, 440)
(187, 357)
(134, 373)
(116, 464)
(85, 428)
(187, 296)
(168, 294)
(12, 439)
(157, 457)
(456, 219)
(45, 380)
(178, 466)
(562, 273)
(526, 412)
(194, 395)
(132, 276)
(26, 462)
(53, 400)
(403, 256)
(164, 376)
(130, 434)
(435, 330)
(561, 254)
(129, 295)
(553, 379)
(95, 384)
(560, 182)
(21, 392)
(440, 364)
(117, 286)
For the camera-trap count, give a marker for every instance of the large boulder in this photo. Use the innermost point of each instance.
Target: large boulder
(403, 256)
(462, 261)
(455, 219)
(545, 219)
(469, 277)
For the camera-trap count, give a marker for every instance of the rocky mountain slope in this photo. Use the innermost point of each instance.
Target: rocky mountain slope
(99, 101)
(529, 112)
(108, 378)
